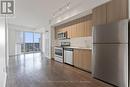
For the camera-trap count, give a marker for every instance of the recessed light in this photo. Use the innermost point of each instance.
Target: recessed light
(68, 7)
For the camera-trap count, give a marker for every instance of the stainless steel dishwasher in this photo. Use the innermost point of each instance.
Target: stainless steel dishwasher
(68, 56)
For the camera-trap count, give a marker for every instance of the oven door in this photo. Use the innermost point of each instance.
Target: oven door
(59, 54)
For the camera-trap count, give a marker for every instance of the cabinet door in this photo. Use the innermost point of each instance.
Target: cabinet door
(68, 29)
(100, 15)
(64, 29)
(82, 34)
(86, 60)
(117, 10)
(88, 28)
(73, 31)
(80, 29)
(82, 59)
(76, 58)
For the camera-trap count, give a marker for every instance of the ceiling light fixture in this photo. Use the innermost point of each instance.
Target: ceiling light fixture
(68, 5)
(62, 9)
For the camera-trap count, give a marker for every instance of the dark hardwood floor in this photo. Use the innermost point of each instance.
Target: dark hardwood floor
(32, 70)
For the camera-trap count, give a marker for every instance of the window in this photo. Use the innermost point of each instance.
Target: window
(29, 42)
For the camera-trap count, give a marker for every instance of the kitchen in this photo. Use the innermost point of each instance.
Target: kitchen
(75, 38)
(65, 43)
(78, 42)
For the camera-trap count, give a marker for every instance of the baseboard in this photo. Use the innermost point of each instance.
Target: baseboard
(14, 55)
(5, 80)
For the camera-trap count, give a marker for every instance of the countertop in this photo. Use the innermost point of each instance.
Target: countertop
(85, 48)
(79, 48)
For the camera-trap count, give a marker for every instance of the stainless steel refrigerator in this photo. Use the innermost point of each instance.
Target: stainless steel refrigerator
(110, 53)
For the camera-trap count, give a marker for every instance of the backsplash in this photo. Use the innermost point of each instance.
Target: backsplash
(85, 42)
(58, 42)
(81, 42)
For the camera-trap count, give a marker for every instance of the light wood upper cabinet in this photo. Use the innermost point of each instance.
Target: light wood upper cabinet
(68, 28)
(117, 10)
(100, 15)
(64, 29)
(78, 28)
(82, 59)
(88, 28)
(82, 33)
(73, 31)
(114, 10)
(84, 28)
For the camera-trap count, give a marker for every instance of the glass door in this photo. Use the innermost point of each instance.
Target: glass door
(28, 43)
(19, 47)
(32, 42)
(37, 42)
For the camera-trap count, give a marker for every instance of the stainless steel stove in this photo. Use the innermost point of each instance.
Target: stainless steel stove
(59, 51)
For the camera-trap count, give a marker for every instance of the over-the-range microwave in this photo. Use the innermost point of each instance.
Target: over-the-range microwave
(62, 35)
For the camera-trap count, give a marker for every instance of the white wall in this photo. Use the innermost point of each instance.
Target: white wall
(52, 42)
(48, 42)
(13, 36)
(43, 42)
(13, 29)
(2, 53)
(11, 41)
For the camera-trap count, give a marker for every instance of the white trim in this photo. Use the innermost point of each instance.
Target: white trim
(5, 79)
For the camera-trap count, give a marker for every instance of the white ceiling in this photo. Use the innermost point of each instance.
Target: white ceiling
(37, 13)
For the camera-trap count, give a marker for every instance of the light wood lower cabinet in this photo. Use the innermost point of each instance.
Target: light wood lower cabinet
(76, 58)
(82, 59)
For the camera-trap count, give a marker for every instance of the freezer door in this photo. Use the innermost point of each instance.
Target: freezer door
(116, 32)
(110, 63)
